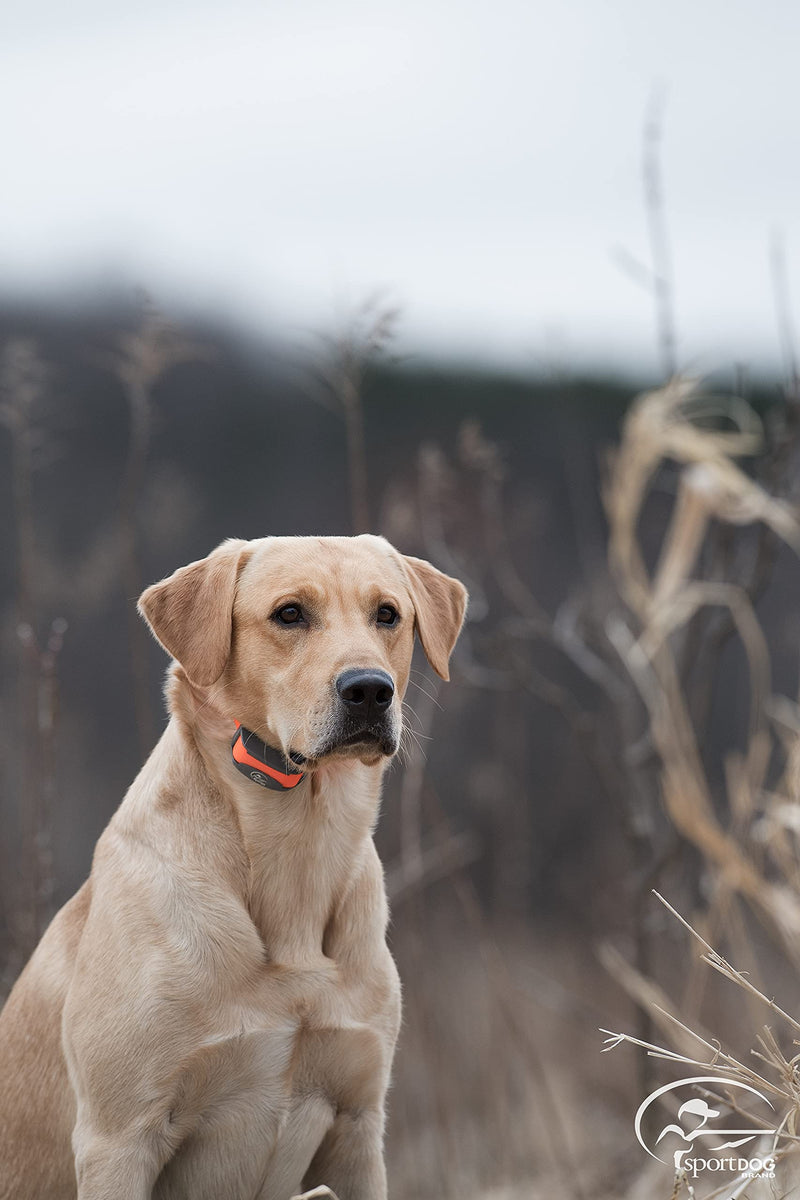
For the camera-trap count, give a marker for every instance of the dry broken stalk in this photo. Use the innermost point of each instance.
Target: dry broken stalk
(672, 424)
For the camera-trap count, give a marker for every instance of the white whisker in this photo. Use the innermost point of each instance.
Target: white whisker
(430, 695)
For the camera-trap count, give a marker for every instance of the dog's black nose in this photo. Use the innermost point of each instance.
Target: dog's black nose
(365, 694)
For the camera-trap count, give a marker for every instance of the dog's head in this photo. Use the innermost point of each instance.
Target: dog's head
(308, 641)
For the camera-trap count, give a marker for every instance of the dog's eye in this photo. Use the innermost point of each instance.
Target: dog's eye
(289, 614)
(387, 615)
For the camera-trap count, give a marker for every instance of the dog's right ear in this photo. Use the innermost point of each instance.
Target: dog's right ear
(191, 612)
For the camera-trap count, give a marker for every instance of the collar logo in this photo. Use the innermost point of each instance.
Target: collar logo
(261, 780)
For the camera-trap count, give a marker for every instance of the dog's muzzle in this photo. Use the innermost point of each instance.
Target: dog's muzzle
(364, 713)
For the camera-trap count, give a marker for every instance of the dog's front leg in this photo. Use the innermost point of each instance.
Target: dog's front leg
(106, 1171)
(123, 1134)
(350, 1159)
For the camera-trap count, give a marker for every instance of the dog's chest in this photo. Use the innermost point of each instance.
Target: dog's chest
(334, 1028)
(266, 1087)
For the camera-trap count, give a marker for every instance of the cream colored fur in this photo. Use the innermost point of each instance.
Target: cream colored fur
(213, 1015)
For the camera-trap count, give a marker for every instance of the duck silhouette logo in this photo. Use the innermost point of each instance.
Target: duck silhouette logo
(695, 1122)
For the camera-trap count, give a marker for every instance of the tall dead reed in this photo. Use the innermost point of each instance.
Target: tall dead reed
(745, 834)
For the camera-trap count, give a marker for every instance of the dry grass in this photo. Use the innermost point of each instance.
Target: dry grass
(747, 838)
(777, 1077)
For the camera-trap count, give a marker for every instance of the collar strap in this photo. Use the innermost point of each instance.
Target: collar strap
(265, 765)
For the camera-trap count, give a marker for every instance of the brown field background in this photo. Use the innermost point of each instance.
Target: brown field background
(622, 716)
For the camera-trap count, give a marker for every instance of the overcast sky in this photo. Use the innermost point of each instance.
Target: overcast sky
(479, 161)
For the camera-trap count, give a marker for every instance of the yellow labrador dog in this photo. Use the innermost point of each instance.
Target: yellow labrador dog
(213, 1015)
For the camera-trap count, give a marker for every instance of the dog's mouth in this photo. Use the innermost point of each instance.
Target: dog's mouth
(374, 740)
(366, 737)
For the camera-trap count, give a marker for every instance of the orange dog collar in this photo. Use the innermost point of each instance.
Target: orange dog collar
(265, 765)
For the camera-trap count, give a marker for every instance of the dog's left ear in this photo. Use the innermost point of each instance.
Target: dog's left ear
(440, 603)
(191, 612)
